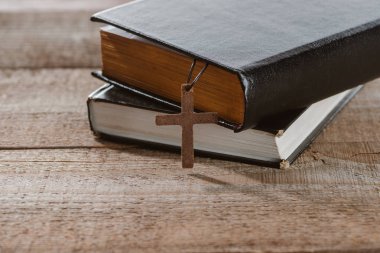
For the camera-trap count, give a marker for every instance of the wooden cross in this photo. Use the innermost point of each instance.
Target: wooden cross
(187, 118)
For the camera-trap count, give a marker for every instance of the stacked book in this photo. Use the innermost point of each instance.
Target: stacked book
(278, 71)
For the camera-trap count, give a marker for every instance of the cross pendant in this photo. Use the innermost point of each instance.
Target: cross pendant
(187, 119)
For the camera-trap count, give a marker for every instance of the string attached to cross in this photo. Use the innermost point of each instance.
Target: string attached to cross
(188, 118)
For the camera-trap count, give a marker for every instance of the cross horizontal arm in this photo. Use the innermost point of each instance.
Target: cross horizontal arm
(167, 120)
(205, 118)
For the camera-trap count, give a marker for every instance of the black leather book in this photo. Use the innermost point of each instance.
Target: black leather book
(123, 115)
(288, 54)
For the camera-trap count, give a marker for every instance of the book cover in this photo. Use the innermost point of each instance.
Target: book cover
(288, 54)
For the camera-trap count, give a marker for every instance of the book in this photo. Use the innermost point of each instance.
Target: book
(266, 57)
(135, 61)
(124, 115)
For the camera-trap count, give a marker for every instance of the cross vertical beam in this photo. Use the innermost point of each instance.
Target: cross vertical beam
(187, 119)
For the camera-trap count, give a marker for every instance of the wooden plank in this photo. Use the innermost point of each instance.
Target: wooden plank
(359, 120)
(50, 33)
(335, 154)
(37, 40)
(95, 200)
(45, 130)
(56, 5)
(45, 108)
(46, 90)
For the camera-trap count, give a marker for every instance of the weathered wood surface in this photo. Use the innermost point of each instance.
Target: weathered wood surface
(63, 190)
(50, 33)
(36, 6)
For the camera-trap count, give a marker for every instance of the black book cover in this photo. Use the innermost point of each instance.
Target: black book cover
(288, 54)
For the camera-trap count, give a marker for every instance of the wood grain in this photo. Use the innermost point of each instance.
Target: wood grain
(62, 190)
(50, 40)
(50, 33)
(45, 108)
(35, 6)
(95, 200)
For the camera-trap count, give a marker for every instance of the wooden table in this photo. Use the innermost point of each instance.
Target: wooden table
(62, 190)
